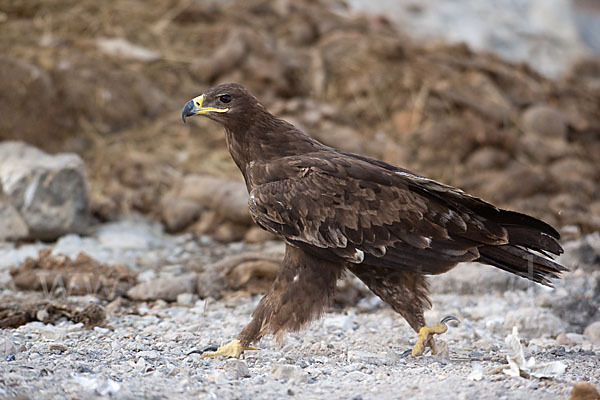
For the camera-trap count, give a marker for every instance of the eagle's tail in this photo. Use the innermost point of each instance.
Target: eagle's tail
(529, 250)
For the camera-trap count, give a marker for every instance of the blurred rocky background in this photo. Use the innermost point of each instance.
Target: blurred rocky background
(107, 83)
(107, 197)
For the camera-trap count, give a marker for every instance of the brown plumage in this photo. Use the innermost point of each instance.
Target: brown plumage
(345, 212)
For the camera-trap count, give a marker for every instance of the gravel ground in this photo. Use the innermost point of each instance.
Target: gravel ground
(352, 352)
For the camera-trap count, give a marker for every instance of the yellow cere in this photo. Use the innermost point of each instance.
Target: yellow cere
(198, 101)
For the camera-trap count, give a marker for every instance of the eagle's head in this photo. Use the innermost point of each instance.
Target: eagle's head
(228, 104)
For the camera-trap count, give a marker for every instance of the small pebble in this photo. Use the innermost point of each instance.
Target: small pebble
(58, 347)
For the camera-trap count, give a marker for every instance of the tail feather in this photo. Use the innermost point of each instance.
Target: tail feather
(514, 219)
(521, 262)
(532, 238)
(529, 251)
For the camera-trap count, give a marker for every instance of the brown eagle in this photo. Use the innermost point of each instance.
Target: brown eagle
(340, 212)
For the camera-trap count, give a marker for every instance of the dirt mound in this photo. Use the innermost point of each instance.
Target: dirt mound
(111, 81)
(16, 312)
(58, 274)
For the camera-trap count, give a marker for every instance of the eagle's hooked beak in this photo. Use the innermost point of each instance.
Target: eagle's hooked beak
(195, 107)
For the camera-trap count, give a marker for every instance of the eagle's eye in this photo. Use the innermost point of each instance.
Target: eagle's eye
(225, 98)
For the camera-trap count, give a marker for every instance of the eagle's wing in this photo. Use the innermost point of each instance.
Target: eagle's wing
(331, 204)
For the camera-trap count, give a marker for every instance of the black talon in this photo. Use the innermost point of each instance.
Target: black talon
(450, 318)
(204, 350)
(408, 352)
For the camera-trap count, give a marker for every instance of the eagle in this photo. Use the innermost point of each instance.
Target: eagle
(340, 212)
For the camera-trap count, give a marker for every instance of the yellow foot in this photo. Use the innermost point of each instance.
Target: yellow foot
(231, 349)
(425, 336)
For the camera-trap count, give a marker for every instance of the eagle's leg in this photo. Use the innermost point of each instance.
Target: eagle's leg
(303, 287)
(425, 336)
(408, 294)
(231, 349)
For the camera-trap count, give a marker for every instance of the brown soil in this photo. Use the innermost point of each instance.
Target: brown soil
(15, 312)
(497, 130)
(59, 274)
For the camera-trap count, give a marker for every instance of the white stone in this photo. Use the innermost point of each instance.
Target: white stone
(146, 276)
(122, 48)
(236, 369)
(592, 332)
(289, 373)
(218, 378)
(476, 374)
(356, 376)
(7, 347)
(186, 298)
(149, 354)
(49, 192)
(341, 321)
(103, 387)
(570, 338)
(367, 357)
(52, 333)
(140, 365)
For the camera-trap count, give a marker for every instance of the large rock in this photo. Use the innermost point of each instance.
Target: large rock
(43, 196)
(178, 213)
(219, 206)
(13, 226)
(228, 198)
(165, 288)
(534, 322)
(544, 121)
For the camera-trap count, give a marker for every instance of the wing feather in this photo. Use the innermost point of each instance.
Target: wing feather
(351, 208)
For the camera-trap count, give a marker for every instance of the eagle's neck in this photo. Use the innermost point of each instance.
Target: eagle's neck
(266, 139)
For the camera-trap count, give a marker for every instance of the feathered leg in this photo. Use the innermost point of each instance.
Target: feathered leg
(303, 287)
(408, 294)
